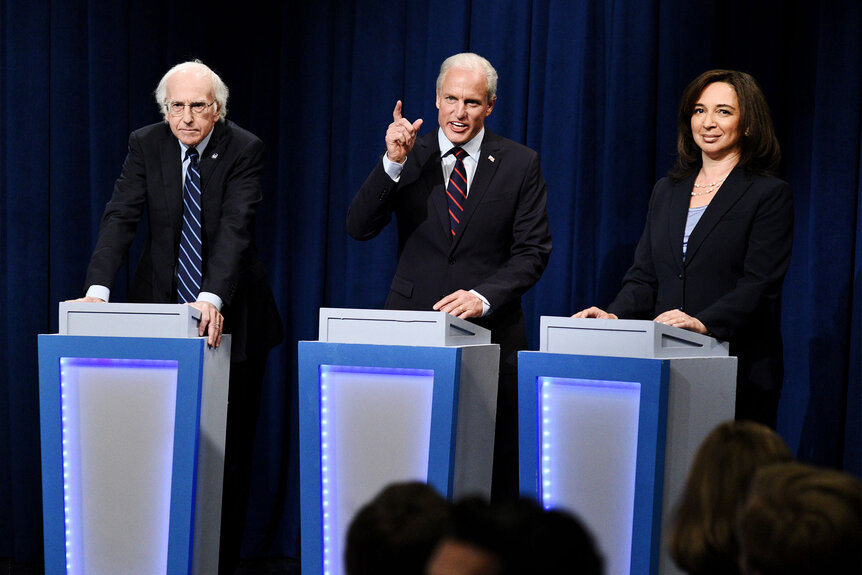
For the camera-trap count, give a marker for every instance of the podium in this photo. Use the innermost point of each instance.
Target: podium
(611, 413)
(389, 396)
(133, 408)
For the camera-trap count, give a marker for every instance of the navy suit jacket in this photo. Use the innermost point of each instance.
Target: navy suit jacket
(151, 183)
(502, 246)
(733, 270)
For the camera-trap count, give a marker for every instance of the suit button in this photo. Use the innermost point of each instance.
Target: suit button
(451, 260)
(679, 276)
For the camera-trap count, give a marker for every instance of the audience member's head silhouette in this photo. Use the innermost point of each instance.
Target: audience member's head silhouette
(701, 540)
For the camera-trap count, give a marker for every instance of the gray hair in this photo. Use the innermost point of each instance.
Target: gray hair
(470, 61)
(220, 91)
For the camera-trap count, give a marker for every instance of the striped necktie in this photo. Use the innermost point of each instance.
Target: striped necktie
(456, 190)
(190, 269)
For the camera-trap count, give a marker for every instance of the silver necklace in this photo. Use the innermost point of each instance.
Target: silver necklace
(710, 188)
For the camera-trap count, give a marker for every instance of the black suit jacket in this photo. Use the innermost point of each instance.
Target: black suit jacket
(731, 278)
(151, 183)
(502, 246)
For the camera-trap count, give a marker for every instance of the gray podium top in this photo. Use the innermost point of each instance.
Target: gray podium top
(397, 327)
(625, 338)
(129, 319)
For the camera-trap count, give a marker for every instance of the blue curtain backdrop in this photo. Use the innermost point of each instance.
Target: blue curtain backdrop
(593, 86)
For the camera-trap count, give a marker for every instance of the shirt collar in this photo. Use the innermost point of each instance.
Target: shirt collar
(202, 145)
(472, 147)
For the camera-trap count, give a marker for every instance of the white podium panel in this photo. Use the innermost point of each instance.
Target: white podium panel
(583, 418)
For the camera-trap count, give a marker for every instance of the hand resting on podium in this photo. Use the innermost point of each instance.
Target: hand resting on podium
(673, 318)
(461, 304)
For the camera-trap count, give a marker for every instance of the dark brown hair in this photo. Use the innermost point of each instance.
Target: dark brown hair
(801, 520)
(701, 538)
(760, 152)
(395, 533)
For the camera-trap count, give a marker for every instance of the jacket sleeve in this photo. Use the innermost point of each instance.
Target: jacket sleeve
(371, 209)
(531, 243)
(120, 219)
(229, 255)
(765, 263)
(637, 296)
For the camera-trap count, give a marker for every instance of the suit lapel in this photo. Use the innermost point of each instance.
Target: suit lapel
(172, 179)
(728, 194)
(428, 172)
(214, 150)
(485, 170)
(680, 199)
(209, 163)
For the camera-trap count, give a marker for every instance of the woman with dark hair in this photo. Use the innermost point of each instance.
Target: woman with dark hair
(701, 538)
(718, 235)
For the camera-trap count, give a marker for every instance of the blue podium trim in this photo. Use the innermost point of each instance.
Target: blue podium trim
(653, 375)
(446, 365)
(189, 355)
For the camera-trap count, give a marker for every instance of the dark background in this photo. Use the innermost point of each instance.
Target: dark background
(593, 86)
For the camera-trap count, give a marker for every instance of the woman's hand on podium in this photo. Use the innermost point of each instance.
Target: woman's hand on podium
(678, 318)
(595, 313)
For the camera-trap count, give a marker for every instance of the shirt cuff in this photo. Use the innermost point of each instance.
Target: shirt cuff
(100, 292)
(486, 307)
(392, 169)
(212, 298)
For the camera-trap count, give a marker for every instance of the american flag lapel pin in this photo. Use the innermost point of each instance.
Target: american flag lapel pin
(215, 155)
(490, 157)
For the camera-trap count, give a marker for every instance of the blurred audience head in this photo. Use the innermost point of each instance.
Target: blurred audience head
(701, 538)
(801, 520)
(514, 538)
(473, 545)
(396, 531)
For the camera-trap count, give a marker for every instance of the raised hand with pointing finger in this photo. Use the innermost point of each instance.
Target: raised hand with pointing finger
(400, 136)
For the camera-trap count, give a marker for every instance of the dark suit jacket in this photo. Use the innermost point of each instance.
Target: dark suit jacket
(151, 182)
(502, 246)
(735, 264)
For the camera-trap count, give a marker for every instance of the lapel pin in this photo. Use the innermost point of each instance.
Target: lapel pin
(214, 156)
(491, 158)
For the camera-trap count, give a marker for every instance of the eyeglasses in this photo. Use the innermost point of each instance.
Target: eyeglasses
(175, 108)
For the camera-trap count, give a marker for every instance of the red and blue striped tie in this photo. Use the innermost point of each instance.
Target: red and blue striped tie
(456, 191)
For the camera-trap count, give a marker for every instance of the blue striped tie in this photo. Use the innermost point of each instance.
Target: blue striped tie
(191, 245)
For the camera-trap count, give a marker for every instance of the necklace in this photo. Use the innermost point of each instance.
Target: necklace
(710, 188)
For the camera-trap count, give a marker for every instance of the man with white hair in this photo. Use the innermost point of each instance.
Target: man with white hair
(196, 175)
(473, 230)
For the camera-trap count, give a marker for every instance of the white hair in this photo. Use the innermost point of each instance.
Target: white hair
(220, 91)
(470, 61)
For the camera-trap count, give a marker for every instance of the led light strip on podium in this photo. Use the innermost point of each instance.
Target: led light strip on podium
(388, 396)
(132, 441)
(611, 413)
